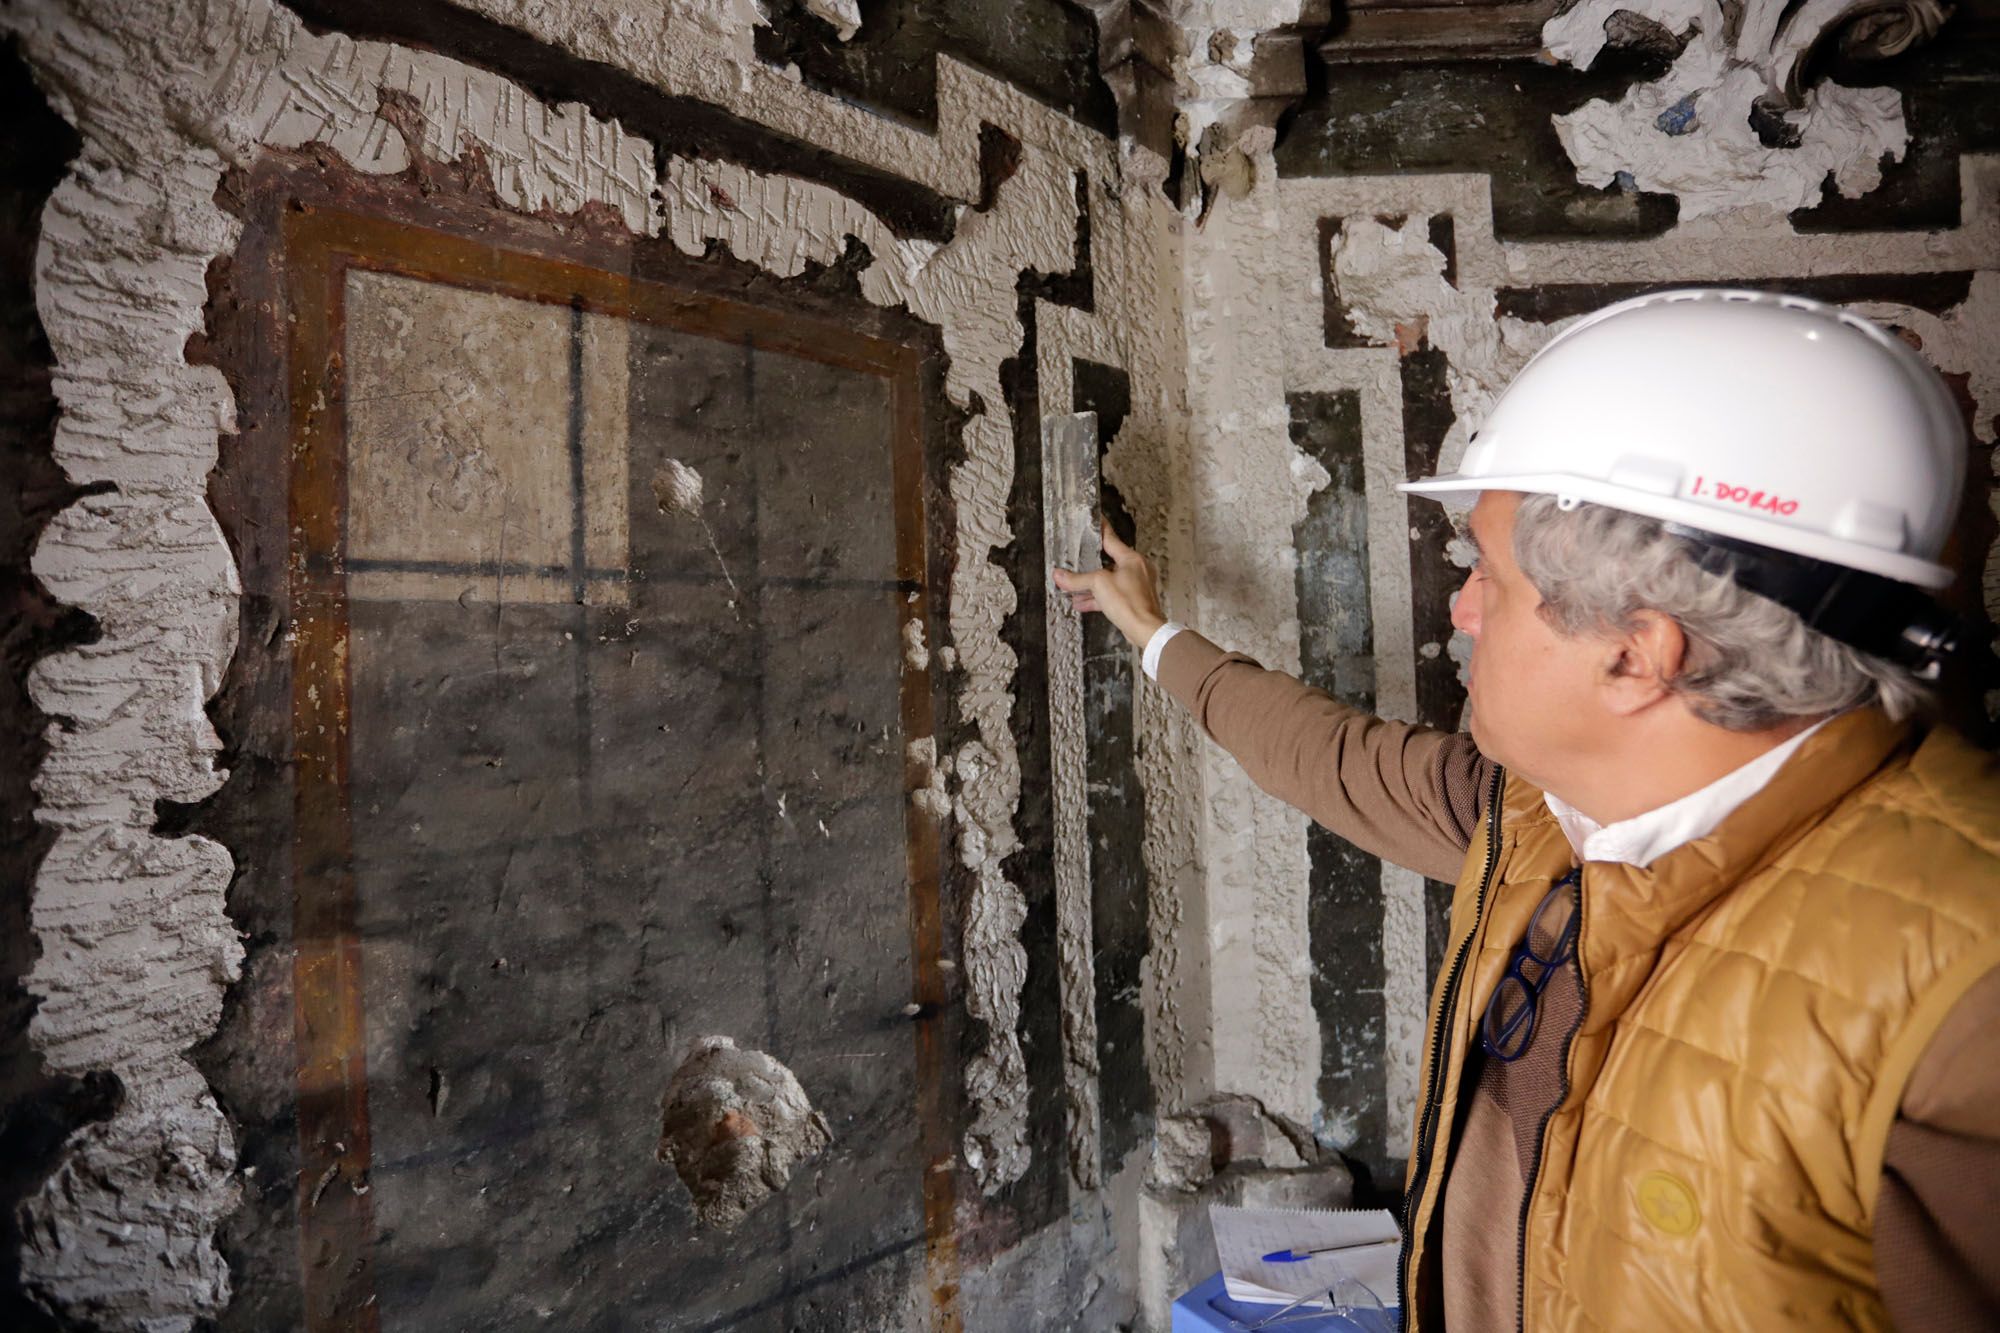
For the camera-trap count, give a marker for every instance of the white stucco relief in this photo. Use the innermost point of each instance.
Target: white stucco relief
(1690, 133)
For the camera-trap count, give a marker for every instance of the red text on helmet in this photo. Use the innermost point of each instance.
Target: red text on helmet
(1766, 501)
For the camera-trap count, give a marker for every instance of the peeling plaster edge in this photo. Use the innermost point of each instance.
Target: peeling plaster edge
(1070, 793)
(707, 56)
(1716, 249)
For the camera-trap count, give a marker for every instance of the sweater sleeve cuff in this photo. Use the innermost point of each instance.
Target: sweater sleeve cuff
(1150, 659)
(1185, 663)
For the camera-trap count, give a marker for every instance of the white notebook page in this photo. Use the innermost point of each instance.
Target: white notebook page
(1369, 1242)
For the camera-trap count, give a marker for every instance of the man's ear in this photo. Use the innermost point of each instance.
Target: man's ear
(1642, 663)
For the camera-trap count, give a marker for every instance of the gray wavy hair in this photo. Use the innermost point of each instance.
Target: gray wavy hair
(1751, 664)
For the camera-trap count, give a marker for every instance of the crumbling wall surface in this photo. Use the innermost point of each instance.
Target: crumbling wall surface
(167, 96)
(1248, 480)
(1283, 327)
(42, 1108)
(734, 1124)
(135, 945)
(967, 287)
(1705, 132)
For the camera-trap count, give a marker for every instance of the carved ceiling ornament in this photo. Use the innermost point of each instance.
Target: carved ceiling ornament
(1744, 119)
(1857, 29)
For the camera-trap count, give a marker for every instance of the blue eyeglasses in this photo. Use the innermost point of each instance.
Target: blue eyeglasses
(1509, 1023)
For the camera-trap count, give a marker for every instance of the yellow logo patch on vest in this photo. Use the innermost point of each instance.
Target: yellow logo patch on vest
(1666, 1201)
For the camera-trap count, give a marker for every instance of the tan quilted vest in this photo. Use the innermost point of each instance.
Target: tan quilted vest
(1754, 1003)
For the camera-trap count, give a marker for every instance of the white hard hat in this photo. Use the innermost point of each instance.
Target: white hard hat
(1768, 421)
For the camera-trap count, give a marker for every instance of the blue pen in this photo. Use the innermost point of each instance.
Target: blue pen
(1294, 1256)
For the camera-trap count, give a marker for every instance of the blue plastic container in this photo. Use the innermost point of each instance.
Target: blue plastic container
(1208, 1309)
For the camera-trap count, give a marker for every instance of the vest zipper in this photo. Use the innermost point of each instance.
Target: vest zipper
(1542, 1130)
(1427, 1118)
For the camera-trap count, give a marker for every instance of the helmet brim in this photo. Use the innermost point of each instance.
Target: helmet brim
(1460, 490)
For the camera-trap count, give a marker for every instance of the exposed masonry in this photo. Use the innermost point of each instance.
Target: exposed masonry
(734, 1125)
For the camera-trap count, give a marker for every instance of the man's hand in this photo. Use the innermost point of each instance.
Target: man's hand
(1126, 592)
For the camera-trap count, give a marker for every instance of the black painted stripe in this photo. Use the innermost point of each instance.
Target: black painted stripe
(1344, 895)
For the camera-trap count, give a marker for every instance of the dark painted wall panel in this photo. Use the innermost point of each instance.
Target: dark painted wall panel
(1434, 580)
(1488, 116)
(1344, 902)
(595, 833)
(1047, 48)
(586, 832)
(1951, 102)
(1120, 935)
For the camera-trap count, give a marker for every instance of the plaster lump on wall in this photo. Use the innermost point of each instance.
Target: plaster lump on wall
(734, 1125)
(1392, 284)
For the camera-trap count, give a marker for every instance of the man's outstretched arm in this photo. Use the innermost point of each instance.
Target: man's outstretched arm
(1409, 794)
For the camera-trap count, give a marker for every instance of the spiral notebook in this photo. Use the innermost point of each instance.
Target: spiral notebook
(1365, 1246)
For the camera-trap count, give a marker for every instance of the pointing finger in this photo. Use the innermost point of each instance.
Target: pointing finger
(1115, 547)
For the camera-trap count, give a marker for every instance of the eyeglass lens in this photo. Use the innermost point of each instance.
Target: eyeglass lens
(1508, 1024)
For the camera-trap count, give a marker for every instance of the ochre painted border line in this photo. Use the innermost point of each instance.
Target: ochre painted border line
(336, 1217)
(321, 245)
(940, 1149)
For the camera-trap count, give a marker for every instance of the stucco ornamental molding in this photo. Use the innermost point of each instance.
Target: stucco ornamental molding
(168, 95)
(1743, 120)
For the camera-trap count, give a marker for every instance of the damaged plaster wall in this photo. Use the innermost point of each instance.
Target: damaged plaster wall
(136, 947)
(733, 1124)
(1246, 481)
(1222, 305)
(1732, 125)
(223, 82)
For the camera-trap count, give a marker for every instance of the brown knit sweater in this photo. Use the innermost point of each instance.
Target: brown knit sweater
(1412, 795)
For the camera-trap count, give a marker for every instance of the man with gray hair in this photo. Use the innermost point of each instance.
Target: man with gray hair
(1716, 1042)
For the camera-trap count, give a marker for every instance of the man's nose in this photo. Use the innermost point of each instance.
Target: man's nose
(1465, 607)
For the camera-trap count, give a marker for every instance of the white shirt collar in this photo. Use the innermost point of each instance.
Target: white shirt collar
(1644, 839)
